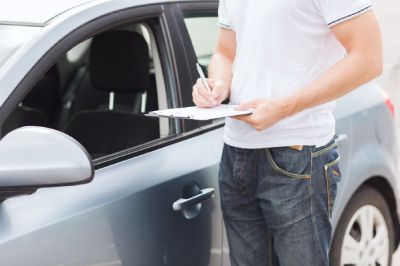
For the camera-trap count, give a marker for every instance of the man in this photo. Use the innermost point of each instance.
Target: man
(288, 60)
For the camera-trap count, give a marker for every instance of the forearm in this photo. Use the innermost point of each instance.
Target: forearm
(361, 38)
(220, 68)
(340, 79)
(219, 72)
(343, 77)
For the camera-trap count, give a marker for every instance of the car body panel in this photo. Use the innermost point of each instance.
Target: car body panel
(12, 13)
(369, 157)
(125, 212)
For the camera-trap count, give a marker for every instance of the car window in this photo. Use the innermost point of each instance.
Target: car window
(99, 91)
(79, 51)
(203, 34)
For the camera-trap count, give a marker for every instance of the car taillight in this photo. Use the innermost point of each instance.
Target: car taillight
(390, 105)
(388, 102)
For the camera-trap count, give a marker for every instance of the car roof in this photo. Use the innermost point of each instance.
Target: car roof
(29, 12)
(40, 12)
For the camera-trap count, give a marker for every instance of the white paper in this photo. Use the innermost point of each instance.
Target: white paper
(197, 113)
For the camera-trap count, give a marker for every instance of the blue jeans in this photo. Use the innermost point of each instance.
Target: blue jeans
(277, 204)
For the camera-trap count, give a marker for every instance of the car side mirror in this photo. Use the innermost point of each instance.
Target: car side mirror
(35, 157)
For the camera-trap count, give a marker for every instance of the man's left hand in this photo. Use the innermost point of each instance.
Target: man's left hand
(266, 112)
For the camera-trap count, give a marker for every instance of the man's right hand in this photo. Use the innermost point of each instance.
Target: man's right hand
(220, 71)
(203, 98)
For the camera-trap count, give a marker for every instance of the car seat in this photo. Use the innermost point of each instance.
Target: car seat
(119, 63)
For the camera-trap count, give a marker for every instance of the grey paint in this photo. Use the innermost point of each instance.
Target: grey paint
(126, 213)
(12, 38)
(363, 154)
(42, 156)
(12, 13)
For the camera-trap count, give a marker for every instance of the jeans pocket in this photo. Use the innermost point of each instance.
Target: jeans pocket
(316, 152)
(290, 162)
(332, 177)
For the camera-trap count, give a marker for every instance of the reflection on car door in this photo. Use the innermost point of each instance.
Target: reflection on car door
(124, 217)
(146, 229)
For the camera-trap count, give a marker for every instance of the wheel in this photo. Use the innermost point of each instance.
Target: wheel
(365, 233)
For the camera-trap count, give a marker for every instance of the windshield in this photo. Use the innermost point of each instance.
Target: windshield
(12, 37)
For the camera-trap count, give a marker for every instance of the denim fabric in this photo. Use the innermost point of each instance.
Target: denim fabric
(277, 204)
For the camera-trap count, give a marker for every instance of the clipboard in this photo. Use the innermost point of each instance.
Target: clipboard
(197, 113)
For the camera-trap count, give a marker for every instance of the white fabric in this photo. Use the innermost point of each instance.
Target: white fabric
(283, 45)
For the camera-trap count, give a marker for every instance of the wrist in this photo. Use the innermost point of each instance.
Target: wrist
(287, 106)
(220, 90)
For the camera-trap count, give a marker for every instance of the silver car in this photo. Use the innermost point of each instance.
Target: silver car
(87, 179)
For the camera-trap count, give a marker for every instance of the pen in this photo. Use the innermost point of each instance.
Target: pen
(203, 78)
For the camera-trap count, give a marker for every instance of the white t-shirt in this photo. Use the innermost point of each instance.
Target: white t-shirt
(283, 45)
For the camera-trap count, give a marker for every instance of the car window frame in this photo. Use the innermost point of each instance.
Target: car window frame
(179, 10)
(100, 24)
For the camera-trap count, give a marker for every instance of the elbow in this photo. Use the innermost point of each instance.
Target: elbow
(377, 68)
(370, 63)
(373, 67)
(376, 61)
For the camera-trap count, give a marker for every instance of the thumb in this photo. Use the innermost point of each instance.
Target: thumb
(245, 106)
(215, 92)
(211, 82)
(218, 90)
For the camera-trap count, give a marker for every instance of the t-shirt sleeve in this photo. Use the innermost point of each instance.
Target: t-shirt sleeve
(223, 19)
(338, 11)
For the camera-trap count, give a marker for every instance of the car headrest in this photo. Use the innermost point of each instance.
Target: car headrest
(119, 62)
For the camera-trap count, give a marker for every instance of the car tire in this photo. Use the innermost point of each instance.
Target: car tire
(352, 243)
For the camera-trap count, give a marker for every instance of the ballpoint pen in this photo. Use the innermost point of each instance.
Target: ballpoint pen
(204, 80)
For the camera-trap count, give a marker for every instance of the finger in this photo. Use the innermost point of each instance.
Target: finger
(246, 106)
(196, 93)
(203, 91)
(217, 91)
(211, 82)
(202, 104)
(199, 100)
(220, 92)
(245, 118)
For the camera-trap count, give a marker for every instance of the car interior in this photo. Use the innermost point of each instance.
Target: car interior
(99, 91)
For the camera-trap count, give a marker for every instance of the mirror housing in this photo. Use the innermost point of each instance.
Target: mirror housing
(34, 157)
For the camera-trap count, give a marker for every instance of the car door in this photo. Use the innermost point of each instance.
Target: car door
(125, 216)
(155, 203)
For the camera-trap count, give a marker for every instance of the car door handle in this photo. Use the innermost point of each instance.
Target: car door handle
(340, 138)
(204, 195)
